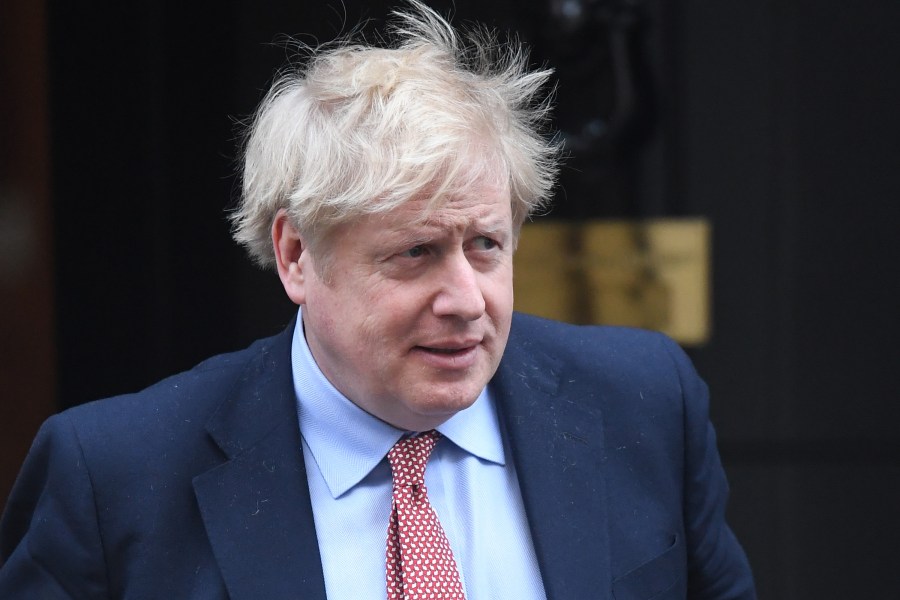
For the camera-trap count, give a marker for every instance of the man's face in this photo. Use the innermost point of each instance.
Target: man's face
(412, 316)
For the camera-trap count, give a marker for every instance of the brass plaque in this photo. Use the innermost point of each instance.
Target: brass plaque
(652, 273)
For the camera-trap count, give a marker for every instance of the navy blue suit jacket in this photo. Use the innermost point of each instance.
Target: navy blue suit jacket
(196, 487)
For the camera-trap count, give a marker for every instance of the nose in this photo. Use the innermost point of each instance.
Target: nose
(459, 292)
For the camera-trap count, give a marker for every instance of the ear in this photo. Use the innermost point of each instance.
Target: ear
(290, 255)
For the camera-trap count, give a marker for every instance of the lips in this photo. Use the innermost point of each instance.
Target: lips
(449, 355)
(442, 350)
(450, 346)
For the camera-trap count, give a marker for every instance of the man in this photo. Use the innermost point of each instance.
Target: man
(387, 187)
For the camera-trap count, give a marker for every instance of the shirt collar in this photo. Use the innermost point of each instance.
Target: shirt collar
(347, 442)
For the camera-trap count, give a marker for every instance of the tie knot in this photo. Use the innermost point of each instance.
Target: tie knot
(409, 456)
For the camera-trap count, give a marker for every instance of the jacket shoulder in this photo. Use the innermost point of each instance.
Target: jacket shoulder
(624, 370)
(577, 343)
(189, 394)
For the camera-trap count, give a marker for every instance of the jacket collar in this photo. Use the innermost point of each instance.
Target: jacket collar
(256, 506)
(257, 503)
(558, 448)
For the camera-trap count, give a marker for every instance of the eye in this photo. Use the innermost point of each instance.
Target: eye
(414, 252)
(484, 243)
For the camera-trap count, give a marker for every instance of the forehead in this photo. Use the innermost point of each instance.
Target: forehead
(480, 199)
(482, 204)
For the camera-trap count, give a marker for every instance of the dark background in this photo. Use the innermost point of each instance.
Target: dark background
(777, 121)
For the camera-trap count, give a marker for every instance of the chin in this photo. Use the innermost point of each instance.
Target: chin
(447, 407)
(437, 403)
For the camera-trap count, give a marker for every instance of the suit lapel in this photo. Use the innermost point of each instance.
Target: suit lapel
(258, 514)
(256, 506)
(557, 445)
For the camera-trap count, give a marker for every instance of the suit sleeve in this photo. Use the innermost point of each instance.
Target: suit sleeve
(717, 566)
(50, 542)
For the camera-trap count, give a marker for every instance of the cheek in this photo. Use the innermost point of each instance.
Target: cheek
(394, 306)
(498, 292)
(383, 319)
(372, 335)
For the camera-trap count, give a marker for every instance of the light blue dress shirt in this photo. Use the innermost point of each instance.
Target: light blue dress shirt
(471, 485)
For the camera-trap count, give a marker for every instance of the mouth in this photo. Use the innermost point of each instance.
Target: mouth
(449, 346)
(447, 351)
(449, 355)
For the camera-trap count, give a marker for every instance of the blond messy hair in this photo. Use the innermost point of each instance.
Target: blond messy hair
(361, 129)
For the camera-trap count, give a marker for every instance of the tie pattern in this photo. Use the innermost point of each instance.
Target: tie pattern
(420, 564)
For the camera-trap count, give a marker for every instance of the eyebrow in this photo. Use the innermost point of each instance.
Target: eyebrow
(489, 224)
(492, 226)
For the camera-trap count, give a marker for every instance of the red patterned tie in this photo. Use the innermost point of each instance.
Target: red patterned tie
(420, 564)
